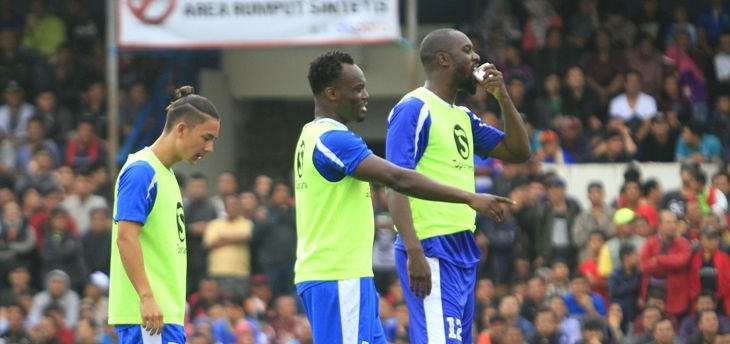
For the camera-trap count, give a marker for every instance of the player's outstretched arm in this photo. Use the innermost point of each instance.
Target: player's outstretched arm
(411, 183)
(130, 252)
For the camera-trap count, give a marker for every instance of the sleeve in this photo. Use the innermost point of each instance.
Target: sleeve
(486, 137)
(136, 193)
(605, 265)
(678, 257)
(338, 153)
(408, 125)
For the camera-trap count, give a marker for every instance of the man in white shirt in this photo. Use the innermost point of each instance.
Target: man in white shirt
(632, 104)
(722, 59)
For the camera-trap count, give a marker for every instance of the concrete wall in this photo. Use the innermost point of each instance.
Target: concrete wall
(577, 177)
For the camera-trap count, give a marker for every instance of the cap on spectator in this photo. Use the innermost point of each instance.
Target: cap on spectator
(623, 216)
(548, 136)
(100, 280)
(710, 232)
(13, 87)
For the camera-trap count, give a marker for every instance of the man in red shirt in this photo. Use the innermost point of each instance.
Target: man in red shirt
(665, 265)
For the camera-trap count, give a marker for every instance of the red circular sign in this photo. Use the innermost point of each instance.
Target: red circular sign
(151, 12)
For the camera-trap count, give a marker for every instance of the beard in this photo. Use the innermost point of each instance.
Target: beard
(468, 85)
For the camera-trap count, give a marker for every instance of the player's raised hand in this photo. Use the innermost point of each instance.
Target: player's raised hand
(152, 319)
(490, 205)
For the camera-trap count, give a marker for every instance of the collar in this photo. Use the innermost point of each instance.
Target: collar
(337, 124)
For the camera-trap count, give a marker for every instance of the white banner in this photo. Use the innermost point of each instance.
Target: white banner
(250, 23)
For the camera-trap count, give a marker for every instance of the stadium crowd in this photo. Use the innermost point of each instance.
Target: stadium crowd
(596, 81)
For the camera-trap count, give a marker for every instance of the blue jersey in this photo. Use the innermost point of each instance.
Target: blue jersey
(409, 125)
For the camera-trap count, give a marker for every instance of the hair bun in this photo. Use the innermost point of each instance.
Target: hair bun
(184, 91)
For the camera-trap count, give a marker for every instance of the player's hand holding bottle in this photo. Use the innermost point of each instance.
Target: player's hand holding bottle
(152, 319)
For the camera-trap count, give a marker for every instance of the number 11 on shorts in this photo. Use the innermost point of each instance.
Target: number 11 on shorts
(454, 328)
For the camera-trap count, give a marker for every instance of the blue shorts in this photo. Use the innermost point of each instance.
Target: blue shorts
(135, 334)
(445, 315)
(342, 312)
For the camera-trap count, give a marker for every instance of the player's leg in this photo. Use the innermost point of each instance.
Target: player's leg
(173, 334)
(437, 317)
(370, 328)
(343, 311)
(467, 319)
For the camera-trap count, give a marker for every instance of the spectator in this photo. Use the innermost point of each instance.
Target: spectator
(17, 240)
(514, 66)
(14, 115)
(722, 61)
(509, 308)
(721, 123)
(580, 100)
(62, 249)
(708, 325)
(593, 331)
(500, 246)
(703, 303)
(199, 210)
(555, 57)
(660, 142)
(618, 147)
(710, 268)
(673, 101)
(57, 119)
(82, 201)
(86, 332)
(44, 31)
(549, 108)
(676, 200)
(649, 318)
(275, 240)
(96, 242)
(559, 278)
(207, 295)
(226, 184)
(633, 105)
(623, 30)
(691, 78)
(535, 297)
(541, 18)
(581, 301)
(663, 333)
(547, 328)
(609, 258)
(19, 279)
(664, 264)
(604, 68)
(589, 265)
(262, 188)
(229, 253)
(583, 23)
(651, 19)
(597, 218)
(85, 151)
(15, 331)
(58, 293)
(555, 220)
(574, 143)
(697, 145)
(93, 106)
(614, 319)
(651, 192)
(287, 325)
(630, 196)
(551, 151)
(711, 22)
(16, 63)
(40, 174)
(132, 107)
(623, 285)
(95, 297)
(647, 63)
(36, 138)
(569, 327)
(681, 24)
